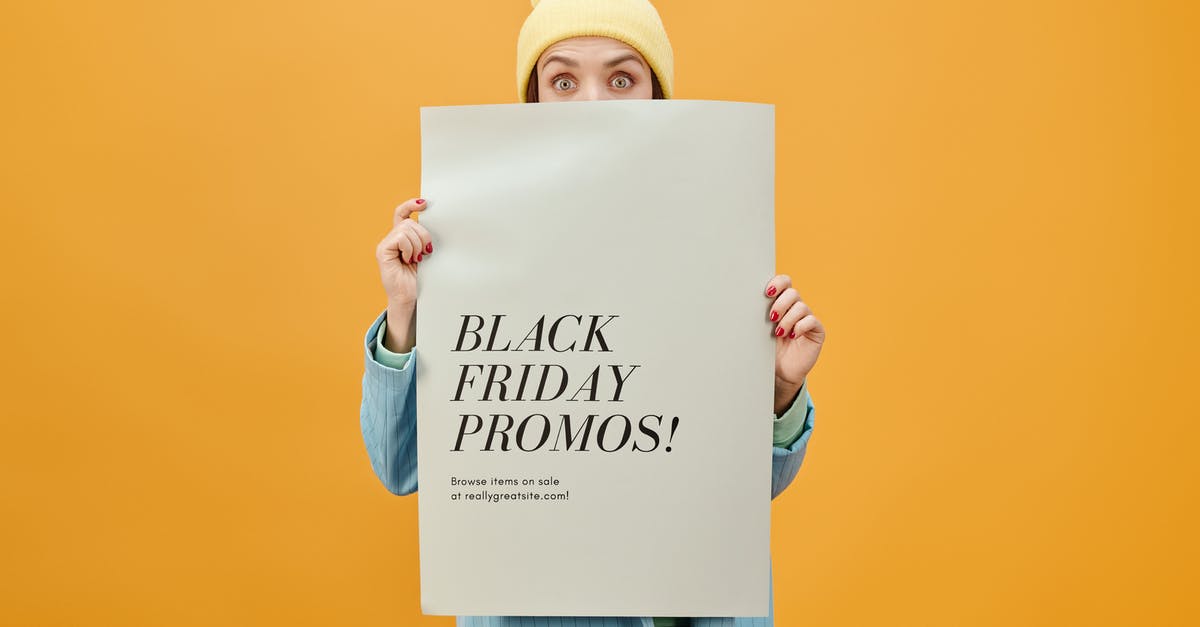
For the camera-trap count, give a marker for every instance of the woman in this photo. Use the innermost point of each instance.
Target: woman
(570, 50)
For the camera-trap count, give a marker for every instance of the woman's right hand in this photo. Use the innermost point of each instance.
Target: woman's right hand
(398, 254)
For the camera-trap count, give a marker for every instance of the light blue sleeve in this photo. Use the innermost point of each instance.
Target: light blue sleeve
(788, 426)
(385, 356)
(388, 415)
(787, 453)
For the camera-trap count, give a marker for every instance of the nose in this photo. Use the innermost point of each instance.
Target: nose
(596, 91)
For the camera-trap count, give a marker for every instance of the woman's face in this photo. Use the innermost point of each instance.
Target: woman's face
(592, 68)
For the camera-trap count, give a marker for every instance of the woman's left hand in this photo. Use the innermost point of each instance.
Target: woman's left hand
(798, 338)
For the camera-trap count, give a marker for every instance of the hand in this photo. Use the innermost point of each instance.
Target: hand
(798, 338)
(398, 255)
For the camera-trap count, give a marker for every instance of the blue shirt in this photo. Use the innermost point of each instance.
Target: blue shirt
(389, 428)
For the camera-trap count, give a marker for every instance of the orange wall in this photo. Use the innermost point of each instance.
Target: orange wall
(991, 206)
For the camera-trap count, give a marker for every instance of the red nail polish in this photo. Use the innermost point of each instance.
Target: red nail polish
(778, 331)
(419, 256)
(774, 316)
(420, 201)
(429, 248)
(792, 335)
(771, 292)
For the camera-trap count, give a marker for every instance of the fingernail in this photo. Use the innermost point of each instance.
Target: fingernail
(778, 331)
(429, 248)
(774, 316)
(420, 201)
(792, 335)
(771, 292)
(419, 255)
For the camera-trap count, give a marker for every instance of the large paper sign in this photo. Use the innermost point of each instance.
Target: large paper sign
(594, 366)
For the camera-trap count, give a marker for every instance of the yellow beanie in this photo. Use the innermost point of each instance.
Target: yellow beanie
(634, 22)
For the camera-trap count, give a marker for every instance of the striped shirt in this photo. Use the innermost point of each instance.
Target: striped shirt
(389, 428)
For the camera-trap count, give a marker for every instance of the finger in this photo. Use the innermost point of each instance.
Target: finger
(414, 243)
(777, 285)
(806, 324)
(423, 235)
(394, 246)
(782, 304)
(406, 209)
(794, 313)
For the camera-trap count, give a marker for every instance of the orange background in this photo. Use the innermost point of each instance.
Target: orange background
(992, 206)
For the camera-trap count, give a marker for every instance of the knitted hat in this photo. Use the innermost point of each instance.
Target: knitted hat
(634, 22)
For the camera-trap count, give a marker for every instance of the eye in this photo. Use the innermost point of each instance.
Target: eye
(563, 83)
(622, 82)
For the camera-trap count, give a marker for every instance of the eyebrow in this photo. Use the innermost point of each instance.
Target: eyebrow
(621, 59)
(561, 59)
(573, 63)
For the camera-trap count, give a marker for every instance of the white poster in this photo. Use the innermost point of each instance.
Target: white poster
(594, 377)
